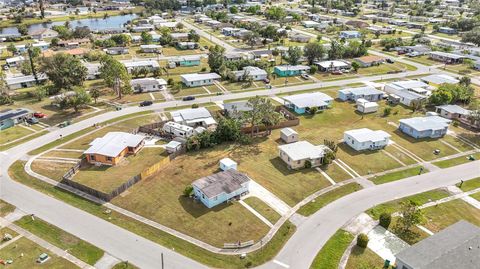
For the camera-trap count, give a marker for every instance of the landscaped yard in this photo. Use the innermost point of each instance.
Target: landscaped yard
(75, 246)
(327, 198)
(443, 215)
(262, 208)
(363, 258)
(393, 176)
(53, 170)
(13, 133)
(456, 161)
(5, 208)
(24, 254)
(331, 253)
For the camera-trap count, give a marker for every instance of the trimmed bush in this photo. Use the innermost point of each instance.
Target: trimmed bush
(385, 220)
(362, 240)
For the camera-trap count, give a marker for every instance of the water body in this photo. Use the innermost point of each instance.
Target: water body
(95, 24)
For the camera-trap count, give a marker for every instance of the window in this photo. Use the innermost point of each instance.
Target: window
(203, 196)
(92, 157)
(109, 159)
(298, 162)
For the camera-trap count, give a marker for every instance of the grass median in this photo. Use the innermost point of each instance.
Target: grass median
(331, 253)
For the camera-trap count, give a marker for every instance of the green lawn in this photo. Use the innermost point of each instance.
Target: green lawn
(331, 253)
(363, 258)
(262, 208)
(24, 254)
(410, 172)
(23, 140)
(470, 184)
(13, 133)
(456, 161)
(75, 246)
(214, 260)
(53, 170)
(5, 208)
(441, 216)
(327, 198)
(124, 265)
(394, 206)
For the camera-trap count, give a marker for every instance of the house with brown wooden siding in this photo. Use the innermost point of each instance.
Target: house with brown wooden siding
(110, 149)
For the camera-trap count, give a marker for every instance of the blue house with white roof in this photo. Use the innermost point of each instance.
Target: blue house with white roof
(350, 34)
(368, 93)
(425, 127)
(290, 70)
(302, 103)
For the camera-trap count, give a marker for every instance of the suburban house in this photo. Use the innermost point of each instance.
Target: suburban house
(93, 70)
(365, 106)
(179, 36)
(335, 65)
(188, 60)
(438, 79)
(178, 130)
(185, 45)
(150, 65)
(235, 109)
(366, 139)
(448, 58)
(302, 103)
(368, 93)
(381, 30)
(73, 43)
(142, 28)
(253, 72)
(425, 127)
(416, 50)
(297, 37)
(195, 79)
(111, 148)
(456, 246)
(288, 135)
(447, 30)
(408, 91)
(310, 24)
(151, 48)
(220, 187)
(11, 117)
(116, 50)
(194, 117)
(453, 112)
(43, 33)
(350, 34)
(148, 84)
(18, 82)
(296, 154)
(369, 60)
(15, 61)
(290, 70)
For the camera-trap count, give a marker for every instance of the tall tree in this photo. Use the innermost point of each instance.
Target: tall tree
(146, 38)
(42, 9)
(115, 75)
(216, 58)
(260, 109)
(313, 51)
(33, 53)
(64, 71)
(294, 55)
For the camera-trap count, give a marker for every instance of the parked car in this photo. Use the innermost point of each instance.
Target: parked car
(337, 72)
(43, 258)
(32, 120)
(188, 98)
(39, 115)
(390, 61)
(305, 76)
(413, 54)
(267, 81)
(146, 103)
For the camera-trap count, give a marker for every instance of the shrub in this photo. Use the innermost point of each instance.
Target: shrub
(203, 69)
(313, 110)
(308, 164)
(455, 124)
(313, 69)
(387, 111)
(195, 106)
(170, 81)
(362, 240)
(188, 190)
(385, 220)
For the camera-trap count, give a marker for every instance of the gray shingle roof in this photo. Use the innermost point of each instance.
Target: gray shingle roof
(457, 246)
(226, 181)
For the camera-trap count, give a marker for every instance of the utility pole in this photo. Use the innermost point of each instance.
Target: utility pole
(117, 87)
(162, 261)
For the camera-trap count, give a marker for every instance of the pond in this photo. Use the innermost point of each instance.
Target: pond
(94, 24)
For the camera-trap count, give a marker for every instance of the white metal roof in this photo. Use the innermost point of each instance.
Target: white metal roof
(367, 90)
(288, 131)
(426, 123)
(197, 77)
(335, 63)
(366, 135)
(227, 162)
(113, 143)
(454, 109)
(292, 67)
(440, 78)
(309, 99)
(302, 150)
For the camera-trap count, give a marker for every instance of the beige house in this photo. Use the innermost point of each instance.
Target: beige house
(296, 155)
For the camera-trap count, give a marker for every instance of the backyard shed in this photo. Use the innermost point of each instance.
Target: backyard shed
(227, 164)
(288, 135)
(365, 106)
(173, 146)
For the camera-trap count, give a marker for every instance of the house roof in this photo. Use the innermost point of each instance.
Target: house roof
(148, 81)
(440, 79)
(113, 143)
(302, 150)
(367, 135)
(192, 115)
(24, 79)
(457, 246)
(367, 90)
(335, 63)
(251, 70)
(409, 84)
(197, 77)
(292, 67)
(426, 123)
(309, 99)
(13, 113)
(150, 46)
(447, 55)
(454, 109)
(179, 126)
(222, 182)
(227, 162)
(288, 131)
(135, 63)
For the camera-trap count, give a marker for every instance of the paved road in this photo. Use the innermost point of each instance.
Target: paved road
(312, 234)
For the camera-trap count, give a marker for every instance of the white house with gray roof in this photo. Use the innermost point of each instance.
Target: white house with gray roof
(17, 82)
(194, 117)
(295, 155)
(196, 80)
(409, 91)
(452, 112)
(253, 72)
(148, 84)
(437, 79)
(150, 65)
(425, 127)
(366, 139)
(220, 187)
(368, 93)
(457, 246)
(302, 103)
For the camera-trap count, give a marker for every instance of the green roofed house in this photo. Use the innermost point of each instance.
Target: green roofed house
(11, 117)
(290, 70)
(457, 246)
